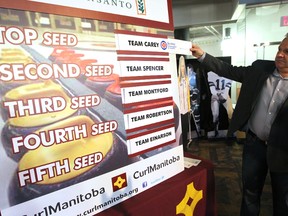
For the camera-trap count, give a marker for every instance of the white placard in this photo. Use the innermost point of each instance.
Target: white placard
(151, 116)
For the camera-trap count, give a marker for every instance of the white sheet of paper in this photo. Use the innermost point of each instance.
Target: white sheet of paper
(188, 162)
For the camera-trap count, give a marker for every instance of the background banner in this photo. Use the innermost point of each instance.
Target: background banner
(88, 115)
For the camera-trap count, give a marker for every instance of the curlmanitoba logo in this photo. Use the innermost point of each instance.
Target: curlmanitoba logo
(141, 7)
(190, 200)
(119, 182)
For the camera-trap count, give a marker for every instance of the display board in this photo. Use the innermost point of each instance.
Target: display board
(90, 106)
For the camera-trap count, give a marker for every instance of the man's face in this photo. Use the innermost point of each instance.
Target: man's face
(281, 58)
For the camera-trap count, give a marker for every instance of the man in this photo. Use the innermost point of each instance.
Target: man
(194, 98)
(261, 111)
(219, 88)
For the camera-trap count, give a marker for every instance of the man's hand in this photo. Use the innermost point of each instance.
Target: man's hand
(196, 51)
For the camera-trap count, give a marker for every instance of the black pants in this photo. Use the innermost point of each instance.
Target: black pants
(254, 172)
(185, 129)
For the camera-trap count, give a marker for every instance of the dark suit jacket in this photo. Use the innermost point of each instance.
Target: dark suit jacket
(252, 78)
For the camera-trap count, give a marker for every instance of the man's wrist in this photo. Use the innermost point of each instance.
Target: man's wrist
(201, 58)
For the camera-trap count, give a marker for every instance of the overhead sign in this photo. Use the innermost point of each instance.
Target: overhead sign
(284, 21)
(146, 12)
(255, 1)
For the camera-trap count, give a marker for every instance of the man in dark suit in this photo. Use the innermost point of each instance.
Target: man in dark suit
(261, 111)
